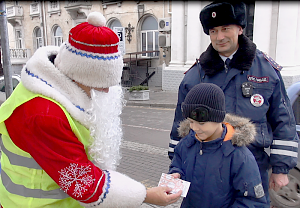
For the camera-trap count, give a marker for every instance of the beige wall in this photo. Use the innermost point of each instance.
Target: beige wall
(126, 13)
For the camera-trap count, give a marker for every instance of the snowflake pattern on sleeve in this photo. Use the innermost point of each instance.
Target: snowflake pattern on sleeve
(79, 176)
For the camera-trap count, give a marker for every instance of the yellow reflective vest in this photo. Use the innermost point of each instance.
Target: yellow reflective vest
(23, 183)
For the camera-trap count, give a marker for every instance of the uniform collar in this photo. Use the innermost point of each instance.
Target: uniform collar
(212, 63)
(224, 57)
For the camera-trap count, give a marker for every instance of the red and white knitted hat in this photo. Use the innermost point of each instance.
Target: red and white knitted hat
(91, 55)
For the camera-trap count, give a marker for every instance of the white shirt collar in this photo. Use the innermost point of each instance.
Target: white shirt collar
(230, 57)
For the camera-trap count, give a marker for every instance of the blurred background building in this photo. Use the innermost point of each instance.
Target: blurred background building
(160, 40)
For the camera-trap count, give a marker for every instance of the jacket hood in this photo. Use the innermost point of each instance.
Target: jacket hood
(244, 130)
(212, 63)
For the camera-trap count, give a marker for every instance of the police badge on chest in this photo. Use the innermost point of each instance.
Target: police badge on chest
(256, 100)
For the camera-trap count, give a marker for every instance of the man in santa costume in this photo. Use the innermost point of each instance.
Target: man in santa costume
(61, 128)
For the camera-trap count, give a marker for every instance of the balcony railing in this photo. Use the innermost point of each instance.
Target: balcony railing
(53, 8)
(15, 15)
(78, 9)
(111, 2)
(78, 3)
(19, 55)
(14, 11)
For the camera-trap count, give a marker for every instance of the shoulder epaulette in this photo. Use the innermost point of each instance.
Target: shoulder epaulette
(190, 67)
(272, 62)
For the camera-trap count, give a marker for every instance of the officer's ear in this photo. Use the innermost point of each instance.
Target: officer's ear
(240, 30)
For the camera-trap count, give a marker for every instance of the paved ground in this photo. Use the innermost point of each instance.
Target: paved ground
(155, 159)
(157, 98)
(151, 163)
(152, 160)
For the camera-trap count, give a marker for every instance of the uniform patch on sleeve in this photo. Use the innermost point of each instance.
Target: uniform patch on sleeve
(259, 191)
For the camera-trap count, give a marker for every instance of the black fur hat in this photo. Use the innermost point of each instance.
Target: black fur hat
(223, 13)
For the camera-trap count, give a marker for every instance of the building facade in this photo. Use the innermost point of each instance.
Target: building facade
(33, 24)
(175, 41)
(275, 28)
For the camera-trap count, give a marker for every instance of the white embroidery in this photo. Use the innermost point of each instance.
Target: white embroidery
(77, 175)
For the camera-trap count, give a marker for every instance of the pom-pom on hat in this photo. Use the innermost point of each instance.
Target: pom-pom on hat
(223, 13)
(204, 102)
(91, 56)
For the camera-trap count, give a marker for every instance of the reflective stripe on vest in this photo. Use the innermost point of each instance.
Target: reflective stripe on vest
(26, 192)
(35, 189)
(18, 160)
(21, 190)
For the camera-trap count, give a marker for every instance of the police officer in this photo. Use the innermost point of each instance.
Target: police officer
(253, 88)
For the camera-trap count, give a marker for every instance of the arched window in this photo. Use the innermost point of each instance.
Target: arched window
(149, 36)
(57, 35)
(38, 39)
(114, 23)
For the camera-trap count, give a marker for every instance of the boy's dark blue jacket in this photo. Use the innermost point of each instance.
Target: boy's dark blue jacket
(225, 173)
(274, 120)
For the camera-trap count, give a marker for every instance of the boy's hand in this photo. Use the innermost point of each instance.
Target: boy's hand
(160, 196)
(176, 175)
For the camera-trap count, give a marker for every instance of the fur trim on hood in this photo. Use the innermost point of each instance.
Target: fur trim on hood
(212, 63)
(244, 130)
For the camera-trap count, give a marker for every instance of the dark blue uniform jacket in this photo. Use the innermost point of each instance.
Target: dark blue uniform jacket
(222, 173)
(274, 119)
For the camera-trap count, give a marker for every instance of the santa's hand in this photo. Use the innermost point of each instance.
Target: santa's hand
(160, 196)
(277, 181)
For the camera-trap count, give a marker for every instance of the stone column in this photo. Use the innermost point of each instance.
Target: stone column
(287, 44)
(194, 32)
(177, 34)
(262, 25)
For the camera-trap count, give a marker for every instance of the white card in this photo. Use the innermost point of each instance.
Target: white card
(175, 183)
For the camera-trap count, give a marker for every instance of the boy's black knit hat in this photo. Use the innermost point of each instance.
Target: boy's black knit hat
(221, 13)
(204, 102)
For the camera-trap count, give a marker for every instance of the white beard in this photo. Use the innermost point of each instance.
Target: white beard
(105, 127)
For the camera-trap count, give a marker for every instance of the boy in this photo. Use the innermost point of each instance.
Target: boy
(213, 155)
